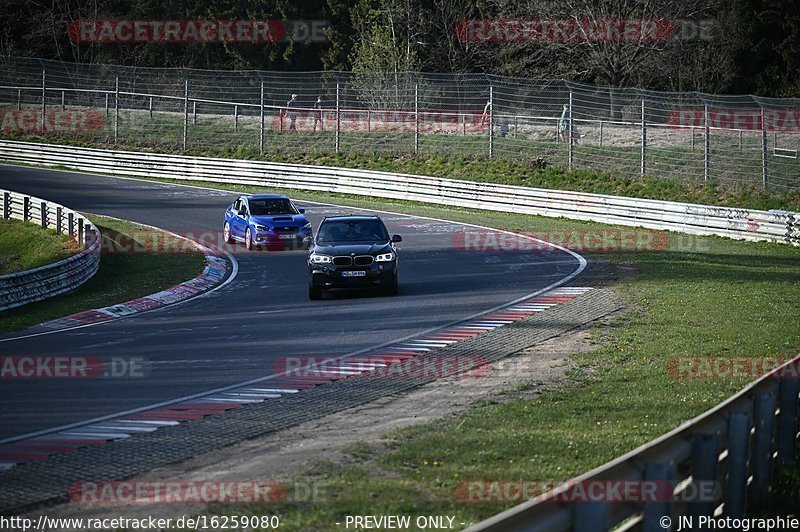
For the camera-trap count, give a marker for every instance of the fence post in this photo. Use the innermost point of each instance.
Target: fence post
(63, 101)
(150, 107)
(81, 239)
(592, 516)
(764, 167)
(416, 118)
(707, 143)
(235, 117)
(516, 126)
(643, 165)
(786, 440)
(571, 145)
(738, 446)
(740, 141)
(763, 447)
(59, 214)
(26, 208)
(6, 205)
(185, 112)
(338, 122)
(601, 133)
(692, 138)
(19, 99)
(44, 103)
(194, 112)
(107, 105)
(705, 454)
(261, 121)
(116, 109)
(43, 213)
(660, 474)
(491, 120)
(71, 223)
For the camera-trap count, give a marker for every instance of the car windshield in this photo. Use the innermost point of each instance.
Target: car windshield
(271, 206)
(353, 231)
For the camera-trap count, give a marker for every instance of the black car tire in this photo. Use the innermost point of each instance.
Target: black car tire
(392, 289)
(314, 293)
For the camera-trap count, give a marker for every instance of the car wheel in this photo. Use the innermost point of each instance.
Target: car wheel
(314, 292)
(248, 239)
(226, 233)
(393, 287)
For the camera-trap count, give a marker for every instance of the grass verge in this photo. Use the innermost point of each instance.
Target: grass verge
(699, 297)
(25, 245)
(121, 277)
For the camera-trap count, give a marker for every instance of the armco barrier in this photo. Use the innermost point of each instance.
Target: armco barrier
(774, 226)
(735, 448)
(20, 288)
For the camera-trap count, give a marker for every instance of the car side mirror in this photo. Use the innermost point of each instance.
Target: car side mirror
(397, 238)
(301, 211)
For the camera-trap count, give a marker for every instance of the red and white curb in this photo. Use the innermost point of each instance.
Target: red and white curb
(213, 275)
(112, 428)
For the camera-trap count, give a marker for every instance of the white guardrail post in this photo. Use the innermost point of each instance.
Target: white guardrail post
(21, 288)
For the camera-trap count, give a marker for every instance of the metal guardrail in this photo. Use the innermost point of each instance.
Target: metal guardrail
(773, 226)
(21, 288)
(735, 447)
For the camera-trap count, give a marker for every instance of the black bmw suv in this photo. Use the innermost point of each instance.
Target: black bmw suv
(352, 252)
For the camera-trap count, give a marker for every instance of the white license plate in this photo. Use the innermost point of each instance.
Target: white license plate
(286, 237)
(354, 274)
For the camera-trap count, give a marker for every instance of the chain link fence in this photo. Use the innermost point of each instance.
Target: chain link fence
(695, 137)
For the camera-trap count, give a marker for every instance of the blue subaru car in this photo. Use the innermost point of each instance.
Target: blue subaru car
(266, 220)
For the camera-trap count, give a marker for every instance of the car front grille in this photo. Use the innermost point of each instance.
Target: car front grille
(342, 261)
(363, 260)
(285, 229)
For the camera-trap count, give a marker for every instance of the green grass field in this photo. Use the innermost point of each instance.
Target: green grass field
(24, 246)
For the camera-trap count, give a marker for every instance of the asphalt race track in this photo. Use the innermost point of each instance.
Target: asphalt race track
(238, 332)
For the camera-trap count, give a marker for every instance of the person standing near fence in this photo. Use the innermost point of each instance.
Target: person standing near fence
(563, 123)
(291, 112)
(318, 114)
(487, 109)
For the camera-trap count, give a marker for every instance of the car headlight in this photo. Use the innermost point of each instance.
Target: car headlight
(307, 226)
(385, 257)
(261, 227)
(319, 259)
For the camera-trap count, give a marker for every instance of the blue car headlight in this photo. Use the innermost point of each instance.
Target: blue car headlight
(261, 227)
(307, 227)
(385, 257)
(319, 259)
